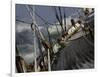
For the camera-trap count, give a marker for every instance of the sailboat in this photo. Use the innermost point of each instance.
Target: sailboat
(76, 52)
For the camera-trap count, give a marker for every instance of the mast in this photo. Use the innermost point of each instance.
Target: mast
(35, 28)
(35, 45)
(34, 32)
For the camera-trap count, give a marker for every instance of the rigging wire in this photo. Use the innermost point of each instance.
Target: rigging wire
(64, 18)
(60, 13)
(45, 21)
(43, 39)
(58, 18)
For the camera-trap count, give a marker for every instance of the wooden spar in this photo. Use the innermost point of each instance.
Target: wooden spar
(49, 63)
(61, 18)
(57, 17)
(51, 43)
(47, 48)
(60, 15)
(40, 48)
(35, 55)
(49, 35)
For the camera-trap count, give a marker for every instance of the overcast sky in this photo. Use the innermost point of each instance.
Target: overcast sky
(46, 12)
(24, 35)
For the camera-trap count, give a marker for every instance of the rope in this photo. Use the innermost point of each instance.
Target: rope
(46, 22)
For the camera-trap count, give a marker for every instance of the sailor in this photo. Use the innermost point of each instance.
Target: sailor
(72, 29)
(61, 42)
(79, 25)
(76, 27)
